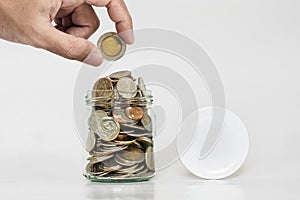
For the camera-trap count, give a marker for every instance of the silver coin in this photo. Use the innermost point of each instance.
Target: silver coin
(109, 165)
(126, 87)
(103, 88)
(124, 142)
(141, 84)
(124, 162)
(94, 159)
(95, 119)
(147, 122)
(138, 169)
(127, 170)
(128, 127)
(132, 154)
(149, 158)
(120, 74)
(140, 134)
(110, 129)
(91, 141)
(121, 117)
(113, 149)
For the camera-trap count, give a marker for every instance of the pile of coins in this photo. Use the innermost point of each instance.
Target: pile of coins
(120, 128)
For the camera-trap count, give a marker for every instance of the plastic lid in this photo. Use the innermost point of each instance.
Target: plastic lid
(219, 146)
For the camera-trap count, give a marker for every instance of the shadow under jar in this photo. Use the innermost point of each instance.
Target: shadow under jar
(120, 136)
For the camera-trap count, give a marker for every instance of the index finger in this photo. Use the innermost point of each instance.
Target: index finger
(119, 14)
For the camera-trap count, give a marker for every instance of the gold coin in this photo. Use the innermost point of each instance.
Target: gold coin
(112, 46)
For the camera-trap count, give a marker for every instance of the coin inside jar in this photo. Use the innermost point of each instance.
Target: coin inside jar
(110, 129)
(134, 113)
(111, 46)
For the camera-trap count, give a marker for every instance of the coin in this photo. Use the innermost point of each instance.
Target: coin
(146, 121)
(149, 158)
(109, 165)
(145, 141)
(103, 89)
(94, 159)
(112, 46)
(91, 141)
(133, 154)
(109, 129)
(120, 74)
(126, 87)
(121, 117)
(94, 120)
(134, 113)
(140, 134)
(142, 86)
(124, 142)
(124, 162)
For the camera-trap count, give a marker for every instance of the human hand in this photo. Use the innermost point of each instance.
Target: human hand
(30, 22)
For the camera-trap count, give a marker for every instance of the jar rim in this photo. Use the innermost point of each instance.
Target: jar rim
(91, 98)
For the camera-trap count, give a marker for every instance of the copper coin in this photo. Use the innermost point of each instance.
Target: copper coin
(134, 113)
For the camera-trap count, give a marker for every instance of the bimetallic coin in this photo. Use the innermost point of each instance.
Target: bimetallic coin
(112, 46)
(134, 113)
(110, 129)
(91, 141)
(126, 87)
(149, 158)
(146, 121)
(120, 74)
(103, 89)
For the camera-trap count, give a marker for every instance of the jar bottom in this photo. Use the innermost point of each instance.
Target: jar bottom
(119, 180)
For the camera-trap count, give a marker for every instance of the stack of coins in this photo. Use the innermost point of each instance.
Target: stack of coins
(120, 128)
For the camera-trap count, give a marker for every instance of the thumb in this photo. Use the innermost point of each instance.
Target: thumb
(70, 47)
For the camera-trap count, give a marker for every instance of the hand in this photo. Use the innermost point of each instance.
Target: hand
(30, 22)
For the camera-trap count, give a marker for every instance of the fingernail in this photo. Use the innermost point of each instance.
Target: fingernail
(94, 58)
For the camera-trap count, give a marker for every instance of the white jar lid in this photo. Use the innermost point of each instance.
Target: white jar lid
(219, 146)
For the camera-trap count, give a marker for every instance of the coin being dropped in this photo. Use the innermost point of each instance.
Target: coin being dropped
(134, 113)
(112, 46)
(110, 129)
(91, 141)
(103, 88)
(126, 87)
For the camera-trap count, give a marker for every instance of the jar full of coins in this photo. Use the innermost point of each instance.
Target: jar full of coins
(120, 135)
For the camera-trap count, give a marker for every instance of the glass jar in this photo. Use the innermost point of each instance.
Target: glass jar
(120, 136)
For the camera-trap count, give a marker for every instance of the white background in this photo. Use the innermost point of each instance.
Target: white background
(255, 45)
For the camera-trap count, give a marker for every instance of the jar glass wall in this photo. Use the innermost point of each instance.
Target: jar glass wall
(119, 145)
